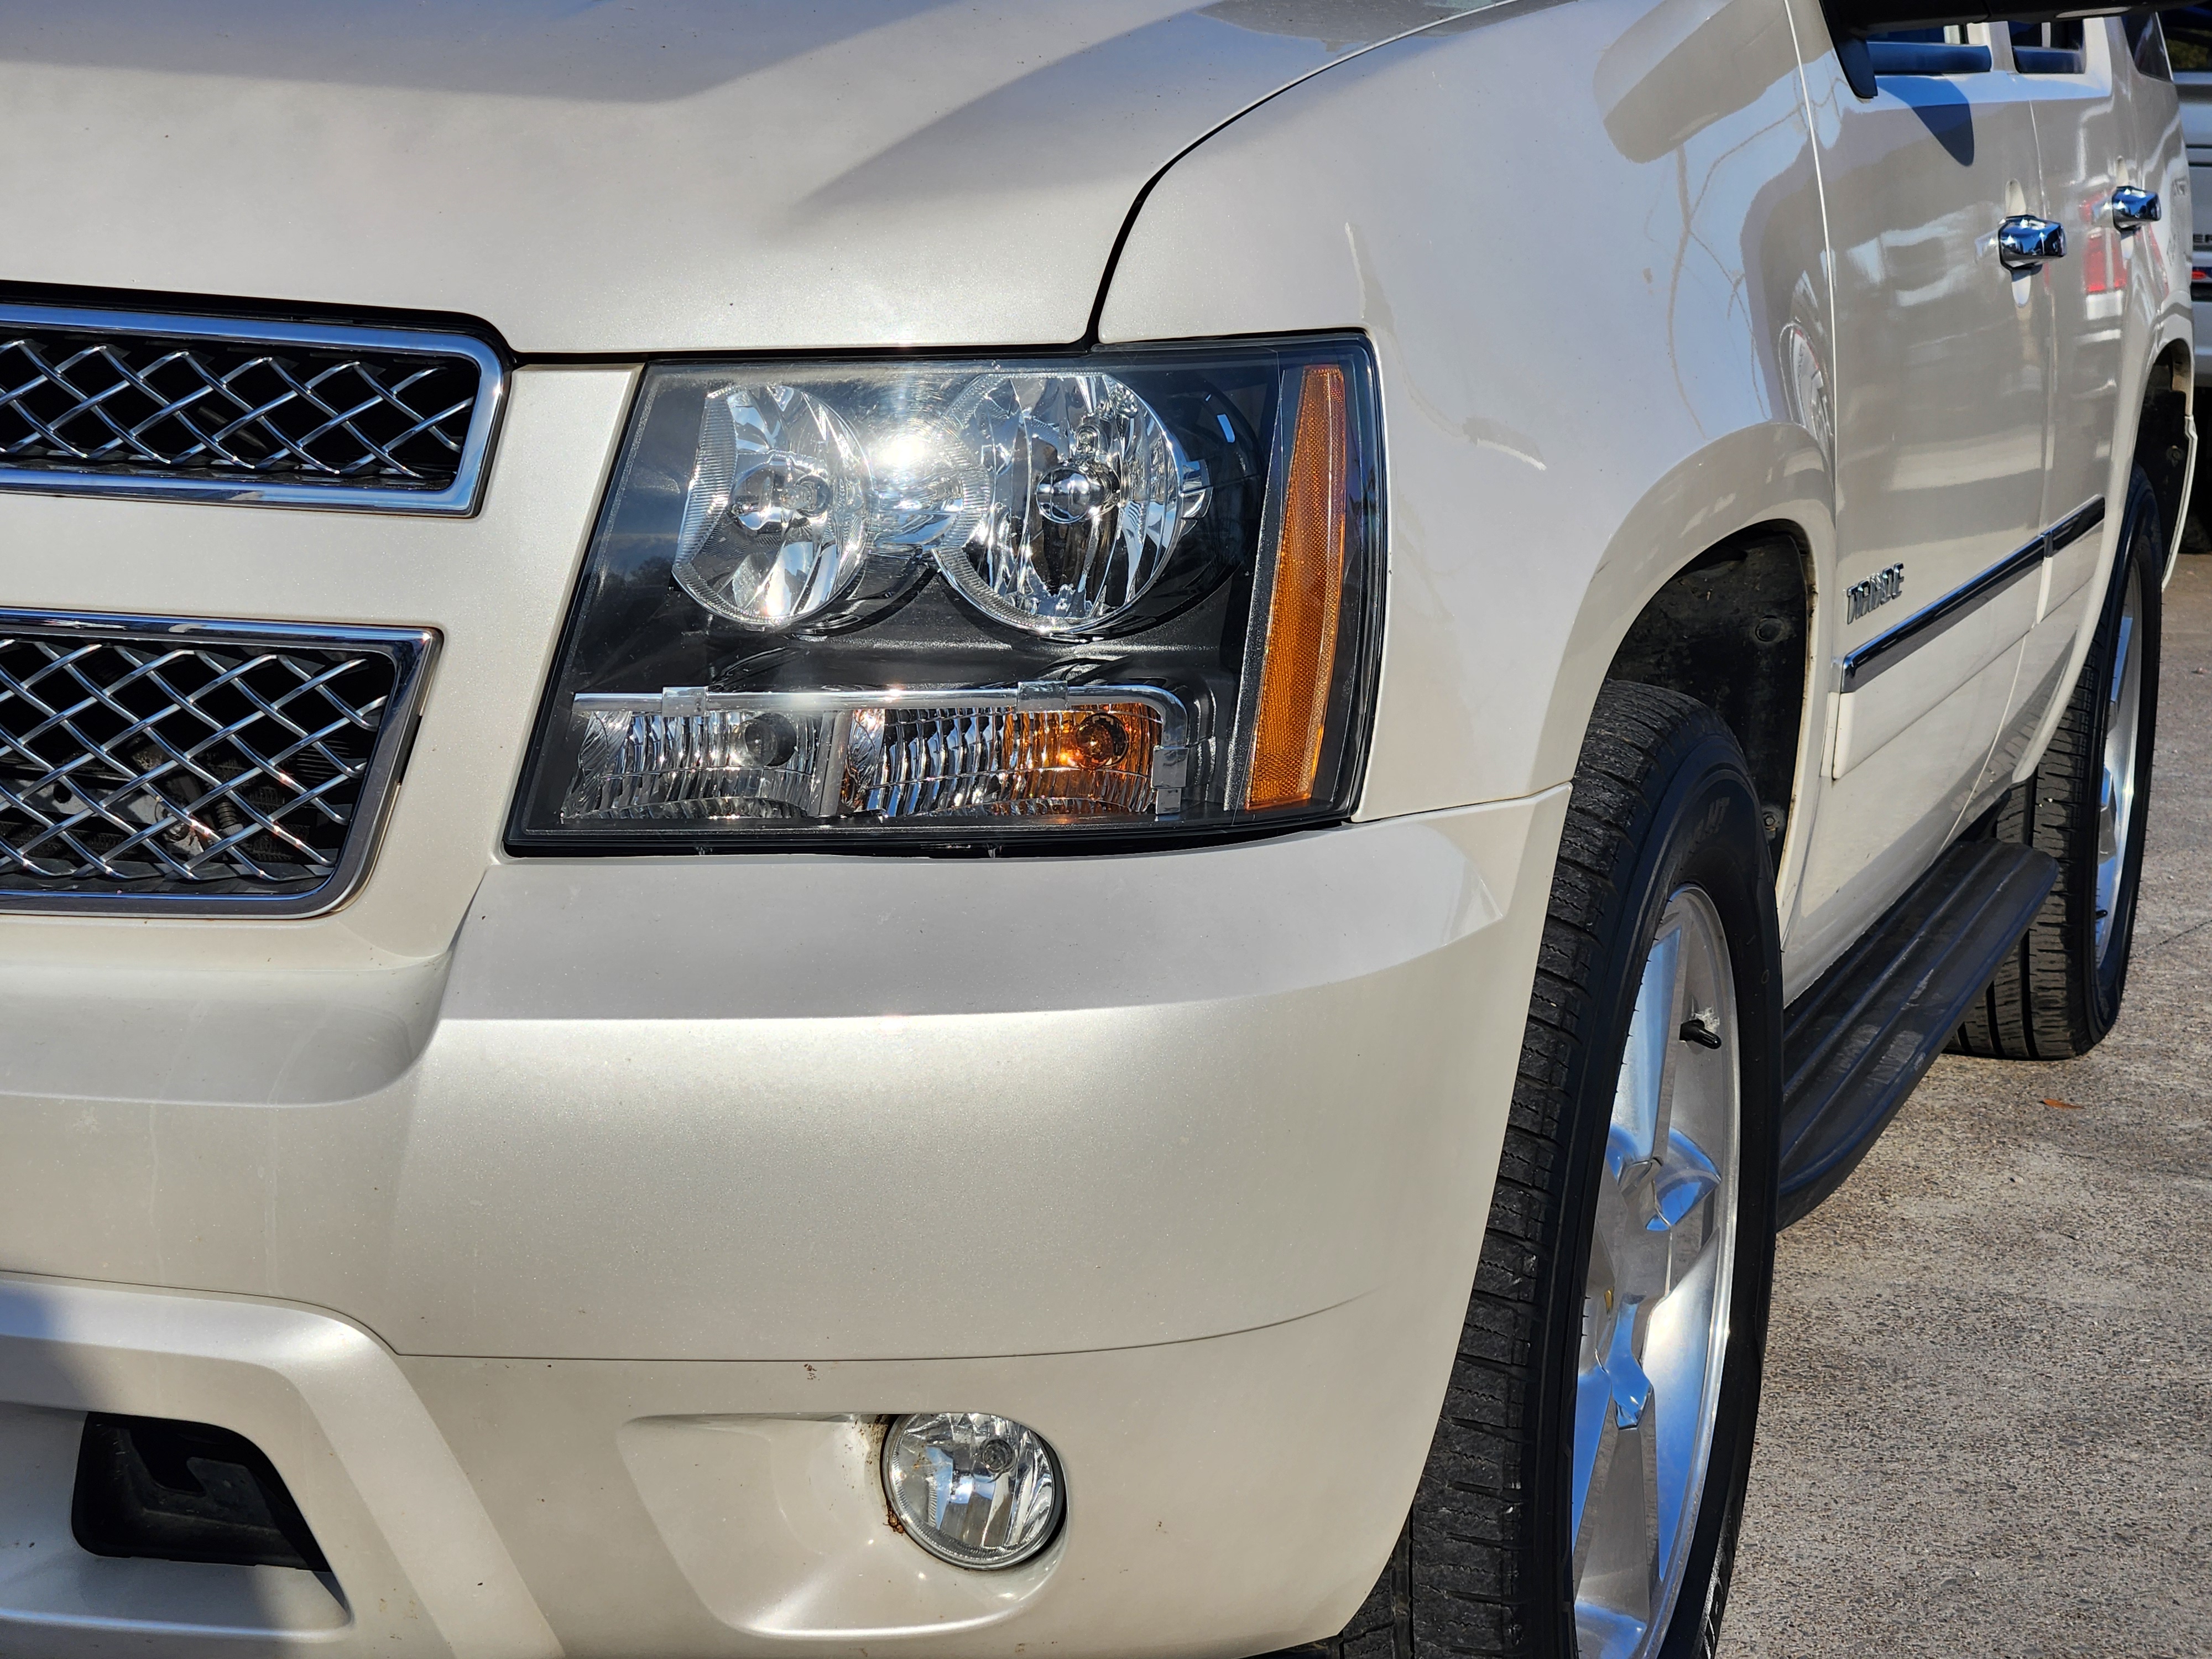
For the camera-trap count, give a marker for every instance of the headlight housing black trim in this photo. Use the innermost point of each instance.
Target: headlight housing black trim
(1019, 602)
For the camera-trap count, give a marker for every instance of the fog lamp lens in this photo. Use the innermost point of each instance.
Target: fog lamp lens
(972, 1489)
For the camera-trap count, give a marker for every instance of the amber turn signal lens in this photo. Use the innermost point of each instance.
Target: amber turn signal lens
(1302, 610)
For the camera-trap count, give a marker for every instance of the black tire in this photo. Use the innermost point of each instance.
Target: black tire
(2057, 994)
(1662, 798)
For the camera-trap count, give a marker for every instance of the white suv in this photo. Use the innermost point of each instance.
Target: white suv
(945, 830)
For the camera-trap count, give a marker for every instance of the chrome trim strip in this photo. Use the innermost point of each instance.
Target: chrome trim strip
(457, 498)
(414, 651)
(2076, 524)
(1879, 655)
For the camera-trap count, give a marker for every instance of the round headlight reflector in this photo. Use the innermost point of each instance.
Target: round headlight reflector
(972, 1489)
(1083, 494)
(775, 527)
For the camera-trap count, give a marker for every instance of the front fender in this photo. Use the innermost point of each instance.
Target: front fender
(1600, 340)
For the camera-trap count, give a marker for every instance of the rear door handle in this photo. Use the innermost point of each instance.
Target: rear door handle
(2133, 205)
(2024, 242)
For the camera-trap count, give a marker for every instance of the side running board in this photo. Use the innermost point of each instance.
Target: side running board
(1854, 1045)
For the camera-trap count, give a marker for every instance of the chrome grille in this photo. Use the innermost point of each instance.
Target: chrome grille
(143, 404)
(147, 763)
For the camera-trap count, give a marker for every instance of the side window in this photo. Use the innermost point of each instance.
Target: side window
(1927, 51)
(2049, 48)
(2147, 41)
(1943, 51)
(2188, 34)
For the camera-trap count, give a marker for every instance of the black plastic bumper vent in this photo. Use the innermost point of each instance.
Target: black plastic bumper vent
(147, 1486)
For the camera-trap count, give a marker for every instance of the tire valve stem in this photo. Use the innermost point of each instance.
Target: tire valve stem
(1702, 1029)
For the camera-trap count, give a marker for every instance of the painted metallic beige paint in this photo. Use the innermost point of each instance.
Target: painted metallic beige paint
(1547, 474)
(1940, 371)
(676, 1109)
(424, 1571)
(697, 175)
(608, 1171)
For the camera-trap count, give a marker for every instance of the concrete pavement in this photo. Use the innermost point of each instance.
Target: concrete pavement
(1987, 1419)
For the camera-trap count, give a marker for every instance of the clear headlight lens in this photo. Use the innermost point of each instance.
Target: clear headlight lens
(1084, 495)
(963, 601)
(1035, 751)
(775, 521)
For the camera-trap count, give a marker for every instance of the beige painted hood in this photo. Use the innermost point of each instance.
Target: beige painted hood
(629, 177)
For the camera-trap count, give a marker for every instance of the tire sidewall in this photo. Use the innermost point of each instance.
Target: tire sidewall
(1703, 831)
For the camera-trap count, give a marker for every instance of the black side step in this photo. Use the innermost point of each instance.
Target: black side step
(1856, 1043)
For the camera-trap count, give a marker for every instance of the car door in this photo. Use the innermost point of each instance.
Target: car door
(2085, 153)
(2188, 36)
(1939, 389)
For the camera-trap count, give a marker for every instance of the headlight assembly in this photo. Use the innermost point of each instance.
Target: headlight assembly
(942, 603)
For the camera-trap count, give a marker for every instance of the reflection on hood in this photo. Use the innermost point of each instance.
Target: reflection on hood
(733, 174)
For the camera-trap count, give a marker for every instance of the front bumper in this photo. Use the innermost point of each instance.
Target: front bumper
(641, 1203)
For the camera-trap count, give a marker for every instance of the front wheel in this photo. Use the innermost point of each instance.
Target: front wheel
(1582, 1494)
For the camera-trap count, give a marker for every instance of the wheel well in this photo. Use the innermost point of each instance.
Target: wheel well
(1729, 628)
(2161, 435)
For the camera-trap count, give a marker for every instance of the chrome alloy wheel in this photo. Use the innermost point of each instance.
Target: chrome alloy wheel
(1655, 1296)
(2116, 799)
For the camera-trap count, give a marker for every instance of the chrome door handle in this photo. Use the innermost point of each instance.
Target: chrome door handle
(2133, 205)
(2024, 242)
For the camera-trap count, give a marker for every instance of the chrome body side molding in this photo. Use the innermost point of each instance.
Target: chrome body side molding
(1878, 655)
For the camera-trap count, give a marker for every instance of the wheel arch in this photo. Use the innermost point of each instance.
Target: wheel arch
(2165, 436)
(1732, 630)
(1740, 528)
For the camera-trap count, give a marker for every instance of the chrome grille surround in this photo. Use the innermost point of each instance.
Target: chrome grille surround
(163, 766)
(222, 409)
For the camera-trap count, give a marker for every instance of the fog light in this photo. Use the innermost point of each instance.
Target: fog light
(971, 1489)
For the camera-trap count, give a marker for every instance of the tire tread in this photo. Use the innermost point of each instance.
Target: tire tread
(1470, 1539)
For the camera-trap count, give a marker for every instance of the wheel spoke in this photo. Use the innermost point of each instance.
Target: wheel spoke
(1662, 1246)
(1614, 1553)
(1678, 1349)
(2116, 785)
(1639, 1097)
(1593, 1394)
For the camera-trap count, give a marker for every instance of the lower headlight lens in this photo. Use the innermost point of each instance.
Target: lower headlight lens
(951, 603)
(691, 755)
(972, 1489)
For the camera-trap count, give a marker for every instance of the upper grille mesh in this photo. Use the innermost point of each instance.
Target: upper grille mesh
(154, 767)
(142, 404)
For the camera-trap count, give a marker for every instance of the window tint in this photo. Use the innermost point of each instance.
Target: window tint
(2188, 39)
(1926, 51)
(2147, 41)
(2048, 48)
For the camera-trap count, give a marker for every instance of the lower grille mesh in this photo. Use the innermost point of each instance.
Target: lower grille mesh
(169, 762)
